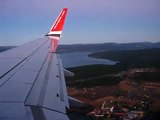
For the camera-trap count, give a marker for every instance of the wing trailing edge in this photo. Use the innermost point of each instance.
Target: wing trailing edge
(68, 73)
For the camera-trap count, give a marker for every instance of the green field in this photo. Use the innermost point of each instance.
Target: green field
(94, 75)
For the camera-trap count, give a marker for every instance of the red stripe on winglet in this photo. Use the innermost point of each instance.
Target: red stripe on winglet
(58, 25)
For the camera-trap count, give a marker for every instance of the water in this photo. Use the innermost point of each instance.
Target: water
(76, 59)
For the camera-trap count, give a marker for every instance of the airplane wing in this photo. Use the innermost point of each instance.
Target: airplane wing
(32, 84)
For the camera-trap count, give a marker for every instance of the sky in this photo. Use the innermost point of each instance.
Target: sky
(88, 21)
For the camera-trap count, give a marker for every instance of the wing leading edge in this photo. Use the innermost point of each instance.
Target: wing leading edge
(32, 84)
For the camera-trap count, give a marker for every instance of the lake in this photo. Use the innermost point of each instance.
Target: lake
(76, 59)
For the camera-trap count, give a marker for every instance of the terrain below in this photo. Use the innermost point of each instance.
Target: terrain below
(134, 82)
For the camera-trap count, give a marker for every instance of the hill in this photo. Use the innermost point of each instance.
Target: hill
(106, 47)
(3, 48)
(132, 58)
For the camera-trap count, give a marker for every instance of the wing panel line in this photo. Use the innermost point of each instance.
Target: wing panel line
(36, 78)
(45, 82)
(20, 63)
(47, 109)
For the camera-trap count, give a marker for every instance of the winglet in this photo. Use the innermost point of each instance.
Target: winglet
(56, 29)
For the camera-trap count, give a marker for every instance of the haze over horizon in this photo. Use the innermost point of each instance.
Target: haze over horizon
(87, 21)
